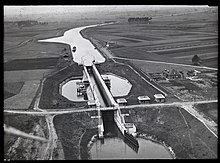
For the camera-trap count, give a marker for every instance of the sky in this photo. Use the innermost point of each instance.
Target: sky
(18, 10)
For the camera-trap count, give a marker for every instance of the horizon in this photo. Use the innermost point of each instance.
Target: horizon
(46, 9)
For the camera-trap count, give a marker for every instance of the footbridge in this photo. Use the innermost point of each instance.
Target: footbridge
(103, 98)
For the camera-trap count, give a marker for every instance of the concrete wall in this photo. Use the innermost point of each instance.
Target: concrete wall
(104, 89)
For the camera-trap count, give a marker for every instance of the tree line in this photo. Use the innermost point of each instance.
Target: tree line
(139, 19)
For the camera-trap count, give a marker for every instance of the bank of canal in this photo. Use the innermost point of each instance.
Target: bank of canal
(164, 125)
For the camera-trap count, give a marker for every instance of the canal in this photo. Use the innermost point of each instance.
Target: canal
(114, 145)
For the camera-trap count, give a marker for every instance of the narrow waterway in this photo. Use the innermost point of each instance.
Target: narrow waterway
(114, 146)
(84, 49)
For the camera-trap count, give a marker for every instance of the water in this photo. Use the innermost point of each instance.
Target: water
(119, 86)
(68, 90)
(85, 51)
(115, 148)
(114, 145)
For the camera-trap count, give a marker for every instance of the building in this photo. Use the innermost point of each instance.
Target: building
(173, 74)
(91, 103)
(159, 98)
(193, 72)
(143, 99)
(121, 101)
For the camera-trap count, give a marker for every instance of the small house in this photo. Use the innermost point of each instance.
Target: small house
(121, 101)
(159, 98)
(143, 99)
(91, 103)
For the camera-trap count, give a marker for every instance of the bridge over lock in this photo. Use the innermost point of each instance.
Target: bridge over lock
(100, 96)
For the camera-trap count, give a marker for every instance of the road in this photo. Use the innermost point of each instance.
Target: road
(49, 114)
(188, 106)
(168, 63)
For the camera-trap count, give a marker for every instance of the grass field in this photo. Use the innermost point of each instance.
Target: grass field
(75, 131)
(188, 138)
(23, 99)
(210, 110)
(169, 39)
(30, 64)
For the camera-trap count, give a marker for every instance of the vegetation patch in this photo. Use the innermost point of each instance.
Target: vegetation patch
(50, 97)
(30, 64)
(18, 148)
(74, 131)
(209, 109)
(186, 135)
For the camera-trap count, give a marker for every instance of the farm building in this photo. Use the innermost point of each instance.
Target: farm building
(122, 101)
(173, 74)
(193, 73)
(143, 99)
(159, 98)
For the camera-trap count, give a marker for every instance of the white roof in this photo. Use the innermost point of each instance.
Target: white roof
(159, 96)
(143, 98)
(121, 100)
(91, 102)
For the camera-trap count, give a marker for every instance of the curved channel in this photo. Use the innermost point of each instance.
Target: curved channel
(84, 48)
(114, 146)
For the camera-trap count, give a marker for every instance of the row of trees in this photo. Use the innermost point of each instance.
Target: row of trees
(27, 23)
(139, 19)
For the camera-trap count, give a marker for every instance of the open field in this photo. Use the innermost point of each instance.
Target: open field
(25, 75)
(27, 62)
(12, 88)
(25, 59)
(23, 99)
(23, 43)
(188, 137)
(174, 38)
(30, 64)
(209, 110)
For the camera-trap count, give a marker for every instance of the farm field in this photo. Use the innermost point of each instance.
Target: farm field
(26, 60)
(27, 64)
(209, 110)
(35, 69)
(173, 39)
(23, 99)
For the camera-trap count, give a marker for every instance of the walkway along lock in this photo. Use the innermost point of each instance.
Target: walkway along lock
(128, 130)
